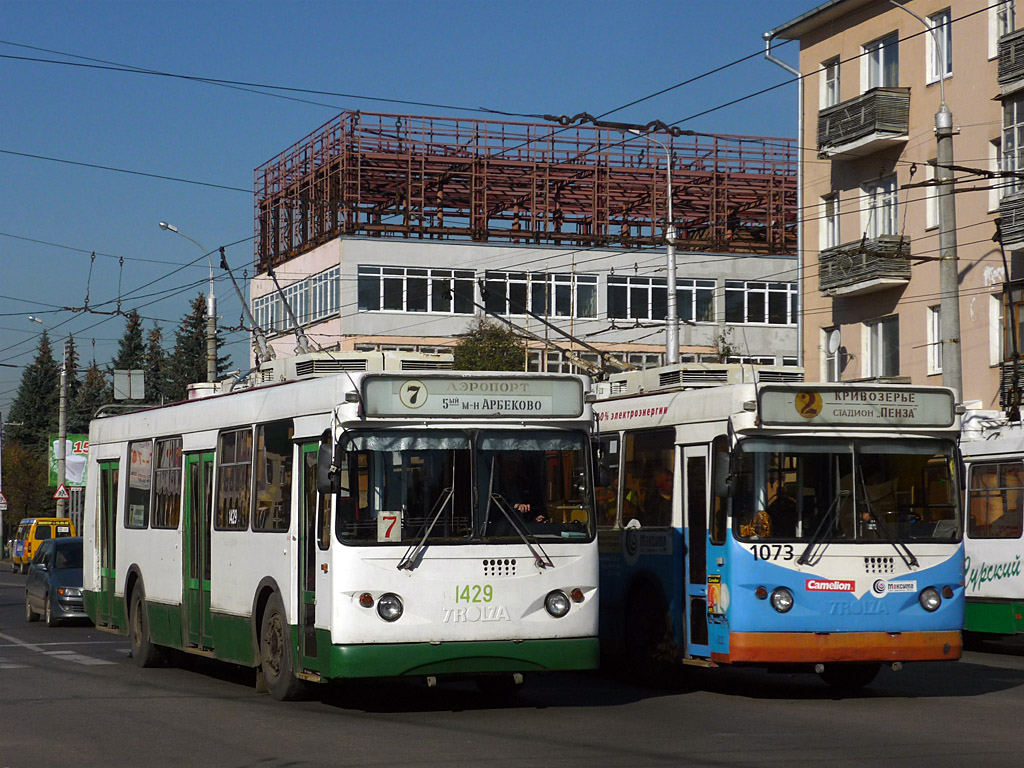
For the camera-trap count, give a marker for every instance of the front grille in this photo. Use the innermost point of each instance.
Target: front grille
(500, 567)
(879, 564)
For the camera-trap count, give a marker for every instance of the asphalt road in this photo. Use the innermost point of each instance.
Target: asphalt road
(73, 697)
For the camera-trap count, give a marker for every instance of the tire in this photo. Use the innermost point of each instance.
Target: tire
(276, 653)
(144, 652)
(24, 568)
(500, 688)
(647, 636)
(51, 621)
(850, 676)
(30, 615)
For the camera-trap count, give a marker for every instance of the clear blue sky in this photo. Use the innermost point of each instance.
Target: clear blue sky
(535, 57)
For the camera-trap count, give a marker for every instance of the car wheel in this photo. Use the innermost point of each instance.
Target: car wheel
(276, 653)
(144, 652)
(51, 620)
(30, 615)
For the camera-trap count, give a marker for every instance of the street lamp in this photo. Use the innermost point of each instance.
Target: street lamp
(62, 422)
(211, 309)
(671, 313)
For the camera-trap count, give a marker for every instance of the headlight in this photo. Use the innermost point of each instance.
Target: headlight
(557, 603)
(389, 607)
(69, 592)
(930, 599)
(782, 600)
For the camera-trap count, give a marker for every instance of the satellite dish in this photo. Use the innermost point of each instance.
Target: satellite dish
(832, 342)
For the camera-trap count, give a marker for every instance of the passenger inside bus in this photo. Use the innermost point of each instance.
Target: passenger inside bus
(658, 501)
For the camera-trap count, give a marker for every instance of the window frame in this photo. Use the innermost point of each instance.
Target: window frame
(880, 199)
(934, 316)
(881, 62)
(882, 347)
(390, 285)
(766, 290)
(1001, 21)
(830, 93)
(939, 58)
(830, 233)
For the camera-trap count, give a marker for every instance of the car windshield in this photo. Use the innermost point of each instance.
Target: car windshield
(852, 490)
(457, 486)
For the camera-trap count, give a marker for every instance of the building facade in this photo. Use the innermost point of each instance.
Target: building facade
(873, 77)
(397, 232)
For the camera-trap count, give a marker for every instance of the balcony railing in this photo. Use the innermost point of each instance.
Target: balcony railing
(864, 266)
(1011, 59)
(875, 119)
(1011, 215)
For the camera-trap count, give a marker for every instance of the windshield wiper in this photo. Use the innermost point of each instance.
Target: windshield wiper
(540, 557)
(410, 558)
(901, 548)
(821, 533)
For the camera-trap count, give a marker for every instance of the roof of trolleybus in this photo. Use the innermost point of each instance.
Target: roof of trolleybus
(363, 397)
(838, 408)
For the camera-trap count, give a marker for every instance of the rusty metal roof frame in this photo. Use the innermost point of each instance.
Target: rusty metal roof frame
(442, 178)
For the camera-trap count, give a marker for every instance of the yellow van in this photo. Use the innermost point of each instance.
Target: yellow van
(33, 530)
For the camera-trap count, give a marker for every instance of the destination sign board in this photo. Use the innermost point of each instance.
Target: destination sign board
(472, 397)
(823, 405)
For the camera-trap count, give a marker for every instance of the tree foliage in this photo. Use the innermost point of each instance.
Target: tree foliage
(93, 392)
(490, 347)
(26, 475)
(190, 351)
(33, 414)
(157, 366)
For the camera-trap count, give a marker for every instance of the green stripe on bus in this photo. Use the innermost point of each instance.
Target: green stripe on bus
(461, 658)
(1002, 618)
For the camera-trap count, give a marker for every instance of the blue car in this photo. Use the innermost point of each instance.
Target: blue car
(53, 588)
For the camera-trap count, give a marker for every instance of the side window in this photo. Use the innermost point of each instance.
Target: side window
(140, 483)
(995, 496)
(648, 483)
(719, 480)
(167, 483)
(40, 556)
(234, 476)
(273, 477)
(608, 470)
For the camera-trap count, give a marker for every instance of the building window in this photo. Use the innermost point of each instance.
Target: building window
(831, 354)
(995, 329)
(760, 302)
(751, 359)
(934, 340)
(1000, 22)
(542, 293)
(830, 83)
(312, 299)
(881, 62)
(880, 214)
(931, 197)
(1013, 142)
(637, 298)
(406, 289)
(883, 347)
(695, 300)
(939, 46)
(644, 359)
(830, 221)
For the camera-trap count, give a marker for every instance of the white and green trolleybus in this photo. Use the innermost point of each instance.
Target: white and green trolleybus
(371, 524)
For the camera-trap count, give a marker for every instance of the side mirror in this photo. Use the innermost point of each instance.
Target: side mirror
(723, 477)
(328, 479)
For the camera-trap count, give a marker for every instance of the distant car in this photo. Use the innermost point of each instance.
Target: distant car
(53, 588)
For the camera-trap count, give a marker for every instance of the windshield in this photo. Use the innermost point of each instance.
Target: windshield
(457, 486)
(845, 490)
(68, 557)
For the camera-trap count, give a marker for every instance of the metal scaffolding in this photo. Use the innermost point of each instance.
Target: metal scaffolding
(442, 178)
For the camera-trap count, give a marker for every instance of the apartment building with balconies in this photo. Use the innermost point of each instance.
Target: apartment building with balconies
(873, 76)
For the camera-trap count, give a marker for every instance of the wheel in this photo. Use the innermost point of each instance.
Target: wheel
(647, 637)
(30, 615)
(276, 653)
(51, 621)
(24, 567)
(500, 687)
(850, 676)
(144, 652)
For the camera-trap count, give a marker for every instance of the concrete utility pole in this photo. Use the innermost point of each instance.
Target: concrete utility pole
(211, 309)
(949, 275)
(62, 430)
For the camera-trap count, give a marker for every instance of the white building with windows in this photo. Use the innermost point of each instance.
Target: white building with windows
(356, 293)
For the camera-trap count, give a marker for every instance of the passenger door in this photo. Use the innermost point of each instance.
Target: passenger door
(695, 490)
(196, 555)
(107, 614)
(312, 559)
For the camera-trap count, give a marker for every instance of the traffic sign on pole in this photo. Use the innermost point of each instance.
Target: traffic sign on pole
(62, 492)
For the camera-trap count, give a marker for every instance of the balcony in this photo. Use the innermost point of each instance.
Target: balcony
(864, 266)
(1011, 215)
(875, 120)
(1011, 62)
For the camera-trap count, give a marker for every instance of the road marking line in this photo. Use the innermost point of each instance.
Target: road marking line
(66, 655)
